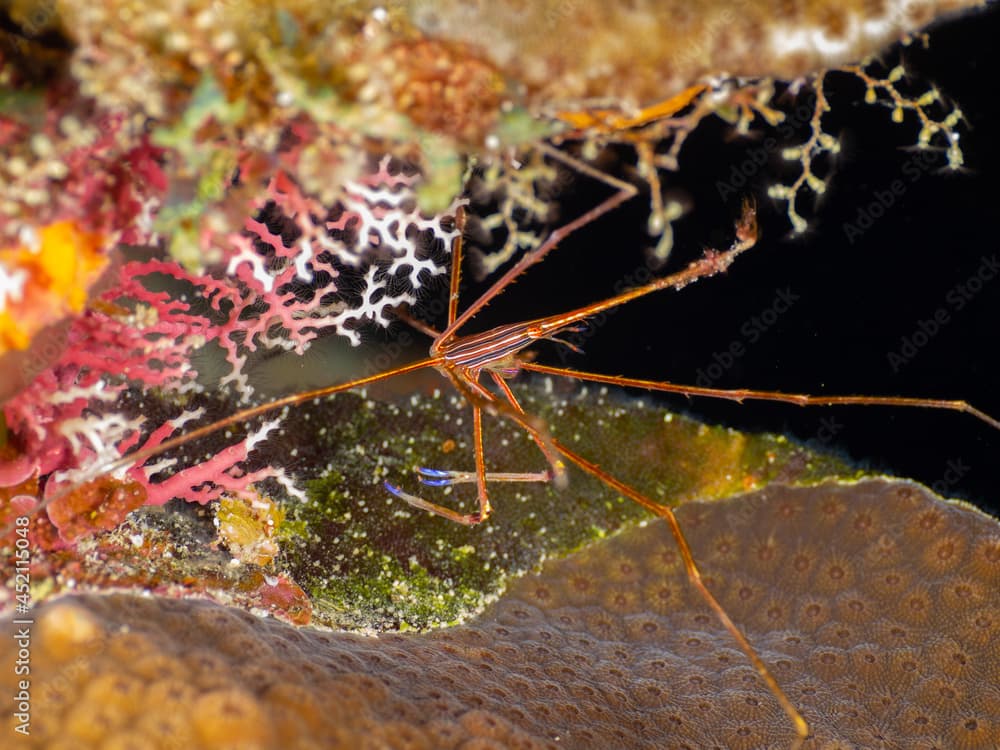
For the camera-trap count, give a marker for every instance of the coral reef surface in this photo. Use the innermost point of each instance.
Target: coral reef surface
(875, 604)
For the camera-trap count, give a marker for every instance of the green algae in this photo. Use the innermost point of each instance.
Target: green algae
(371, 561)
(363, 559)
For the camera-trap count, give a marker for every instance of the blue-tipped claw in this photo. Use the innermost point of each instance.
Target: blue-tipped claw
(435, 477)
(435, 482)
(394, 490)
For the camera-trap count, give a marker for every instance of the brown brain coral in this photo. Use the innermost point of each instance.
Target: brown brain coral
(875, 604)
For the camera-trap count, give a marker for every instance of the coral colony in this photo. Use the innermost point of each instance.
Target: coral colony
(246, 177)
(601, 649)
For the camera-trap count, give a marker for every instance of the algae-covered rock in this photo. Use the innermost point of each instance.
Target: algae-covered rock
(353, 555)
(370, 560)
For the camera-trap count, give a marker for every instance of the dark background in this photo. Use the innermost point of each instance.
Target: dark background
(856, 301)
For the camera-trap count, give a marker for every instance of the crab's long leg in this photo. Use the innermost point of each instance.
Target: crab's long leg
(448, 477)
(557, 464)
(485, 509)
(456, 270)
(694, 575)
(480, 399)
(741, 394)
(477, 396)
(241, 416)
(711, 263)
(443, 478)
(515, 413)
(624, 192)
(463, 360)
